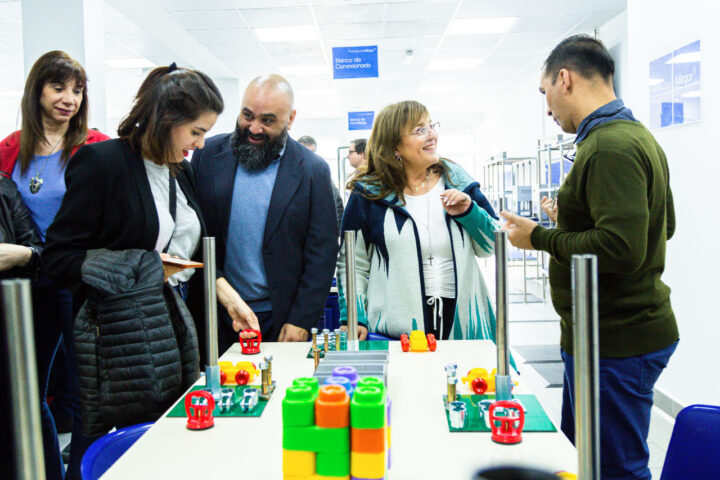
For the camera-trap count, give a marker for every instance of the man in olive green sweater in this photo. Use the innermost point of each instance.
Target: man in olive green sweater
(615, 203)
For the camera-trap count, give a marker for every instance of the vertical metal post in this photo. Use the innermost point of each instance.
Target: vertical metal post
(212, 370)
(585, 344)
(341, 172)
(502, 379)
(24, 391)
(350, 292)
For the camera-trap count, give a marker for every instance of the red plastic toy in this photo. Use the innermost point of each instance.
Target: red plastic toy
(479, 385)
(242, 377)
(507, 428)
(250, 344)
(199, 416)
(223, 377)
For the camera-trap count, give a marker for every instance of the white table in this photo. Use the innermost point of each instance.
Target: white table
(422, 446)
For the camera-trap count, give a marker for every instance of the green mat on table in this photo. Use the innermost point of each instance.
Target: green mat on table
(536, 420)
(364, 345)
(179, 409)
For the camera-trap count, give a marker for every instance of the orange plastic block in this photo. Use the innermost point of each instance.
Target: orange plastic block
(332, 407)
(367, 440)
(298, 463)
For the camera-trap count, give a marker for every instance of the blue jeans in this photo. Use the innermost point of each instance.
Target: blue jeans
(52, 318)
(626, 398)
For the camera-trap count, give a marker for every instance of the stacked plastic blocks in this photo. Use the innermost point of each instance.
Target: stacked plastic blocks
(328, 436)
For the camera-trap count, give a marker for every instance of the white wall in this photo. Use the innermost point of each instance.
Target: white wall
(655, 28)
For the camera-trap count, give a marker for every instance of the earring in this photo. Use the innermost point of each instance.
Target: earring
(399, 159)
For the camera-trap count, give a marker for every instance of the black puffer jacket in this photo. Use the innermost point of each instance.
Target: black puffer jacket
(16, 226)
(135, 340)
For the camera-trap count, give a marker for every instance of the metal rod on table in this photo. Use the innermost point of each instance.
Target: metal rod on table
(502, 379)
(212, 370)
(350, 293)
(585, 344)
(24, 391)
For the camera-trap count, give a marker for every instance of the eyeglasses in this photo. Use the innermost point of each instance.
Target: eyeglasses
(425, 131)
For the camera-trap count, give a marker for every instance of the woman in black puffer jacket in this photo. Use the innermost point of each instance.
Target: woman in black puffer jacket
(19, 257)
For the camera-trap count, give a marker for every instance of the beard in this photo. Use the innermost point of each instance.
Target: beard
(256, 157)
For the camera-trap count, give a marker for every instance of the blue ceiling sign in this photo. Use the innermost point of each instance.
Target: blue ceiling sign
(355, 62)
(360, 120)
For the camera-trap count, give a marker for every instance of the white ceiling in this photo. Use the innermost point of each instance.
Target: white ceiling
(218, 36)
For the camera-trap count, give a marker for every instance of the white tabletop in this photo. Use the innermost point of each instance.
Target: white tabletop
(422, 446)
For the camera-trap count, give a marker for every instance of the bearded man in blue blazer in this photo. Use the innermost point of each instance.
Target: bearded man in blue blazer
(269, 204)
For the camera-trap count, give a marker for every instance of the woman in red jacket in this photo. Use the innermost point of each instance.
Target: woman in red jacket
(54, 125)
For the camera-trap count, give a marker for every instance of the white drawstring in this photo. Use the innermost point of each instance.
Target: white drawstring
(437, 304)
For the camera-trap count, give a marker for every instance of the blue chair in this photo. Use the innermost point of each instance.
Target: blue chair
(107, 449)
(378, 336)
(694, 450)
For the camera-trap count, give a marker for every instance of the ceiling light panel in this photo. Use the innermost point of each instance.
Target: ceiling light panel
(194, 5)
(349, 14)
(547, 24)
(338, 32)
(288, 48)
(474, 26)
(272, 17)
(454, 64)
(461, 41)
(227, 36)
(417, 28)
(217, 19)
(412, 11)
(306, 70)
(297, 33)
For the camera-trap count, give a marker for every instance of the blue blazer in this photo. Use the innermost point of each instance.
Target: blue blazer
(300, 243)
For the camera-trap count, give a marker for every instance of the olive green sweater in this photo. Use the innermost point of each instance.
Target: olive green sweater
(616, 203)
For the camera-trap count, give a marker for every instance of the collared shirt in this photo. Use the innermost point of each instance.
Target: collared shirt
(615, 110)
(244, 266)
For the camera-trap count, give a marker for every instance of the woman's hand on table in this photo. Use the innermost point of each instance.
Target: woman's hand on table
(362, 331)
(455, 202)
(291, 333)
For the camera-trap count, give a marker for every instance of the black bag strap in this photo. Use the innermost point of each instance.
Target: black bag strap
(173, 207)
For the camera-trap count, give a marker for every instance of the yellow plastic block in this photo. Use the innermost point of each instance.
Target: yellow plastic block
(314, 476)
(297, 463)
(418, 342)
(367, 465)
(389, 431)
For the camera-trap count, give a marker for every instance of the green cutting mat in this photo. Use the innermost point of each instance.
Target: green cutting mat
(179, 409)
(536, 420)
(364, 345)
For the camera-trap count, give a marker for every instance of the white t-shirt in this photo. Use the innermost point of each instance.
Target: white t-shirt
(185, 230)
(429, 215)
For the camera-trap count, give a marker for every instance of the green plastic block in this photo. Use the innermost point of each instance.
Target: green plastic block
(367, 408)
(316, 439)
(333, 464)
(300, 438)
(312, 382)
(298, 406)
(372, 382)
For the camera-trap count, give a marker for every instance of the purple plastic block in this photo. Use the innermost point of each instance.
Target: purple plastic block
(343, 381)
(389, 405)
(388, 454)
(348, 372)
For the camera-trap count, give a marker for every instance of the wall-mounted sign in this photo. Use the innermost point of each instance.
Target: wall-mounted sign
(360, 120)
(675, 87)
(355, 62)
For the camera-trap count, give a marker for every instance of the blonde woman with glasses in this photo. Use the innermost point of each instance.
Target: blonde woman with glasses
(420, 222)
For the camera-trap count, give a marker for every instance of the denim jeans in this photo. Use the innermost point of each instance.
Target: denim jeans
(626, 399)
